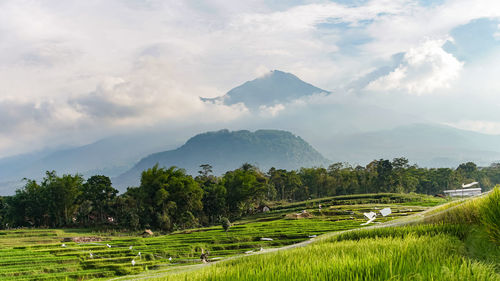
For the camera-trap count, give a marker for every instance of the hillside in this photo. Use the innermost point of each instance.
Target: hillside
(226, 150)
(273, 88)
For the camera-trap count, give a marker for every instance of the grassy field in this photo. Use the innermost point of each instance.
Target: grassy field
(39, 254)
(412, 257)
(458, 243)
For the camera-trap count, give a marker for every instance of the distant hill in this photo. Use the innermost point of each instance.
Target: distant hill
(271, 89)
(226, 150)
(429, 145)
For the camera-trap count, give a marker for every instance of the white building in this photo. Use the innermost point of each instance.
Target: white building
(463, 192)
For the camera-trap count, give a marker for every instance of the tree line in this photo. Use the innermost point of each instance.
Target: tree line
(169, 199)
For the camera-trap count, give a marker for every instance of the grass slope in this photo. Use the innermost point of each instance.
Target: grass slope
(413, 257)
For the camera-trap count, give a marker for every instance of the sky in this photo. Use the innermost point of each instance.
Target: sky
(72, 72)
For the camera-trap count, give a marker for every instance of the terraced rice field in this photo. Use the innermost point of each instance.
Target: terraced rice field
(40, 254)
(460, 242)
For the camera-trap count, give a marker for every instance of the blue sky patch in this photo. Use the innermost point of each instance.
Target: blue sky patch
(474, 40)
(430, 3)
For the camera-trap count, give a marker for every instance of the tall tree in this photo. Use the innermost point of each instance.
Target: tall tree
(171, 198)
(287, 184)
(383, 181)
(62, 193)
(214, 202)
(318, 182)
(3, 209)
(206, 170)
(468, 171)
(214, 195)
(97, 196)
(246, 187)
(129, 210)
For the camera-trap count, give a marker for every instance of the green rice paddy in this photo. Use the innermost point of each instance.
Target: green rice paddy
(40, 254)
(460, 243)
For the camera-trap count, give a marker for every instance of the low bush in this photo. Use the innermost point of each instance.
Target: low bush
(490, 215)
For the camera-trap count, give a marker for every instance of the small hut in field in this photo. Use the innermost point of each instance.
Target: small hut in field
(463, 192)
(147, 233)
(263, 209)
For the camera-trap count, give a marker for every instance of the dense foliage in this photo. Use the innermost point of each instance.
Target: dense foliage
(169, 199)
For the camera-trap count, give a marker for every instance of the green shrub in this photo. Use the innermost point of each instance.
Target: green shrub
(490, 214)
(457, 230)
(226, 224)
(149, 257)
(466, 212)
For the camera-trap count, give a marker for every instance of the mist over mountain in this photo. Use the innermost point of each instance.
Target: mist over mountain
(428, 145)
(342, 127)
(110, 156)
(273, 88)
(227, 150)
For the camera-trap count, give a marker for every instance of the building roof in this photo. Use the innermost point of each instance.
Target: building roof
(463, 190)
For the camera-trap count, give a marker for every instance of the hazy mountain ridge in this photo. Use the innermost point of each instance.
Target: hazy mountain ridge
(429, 145)
(226, 150)
(110, 156)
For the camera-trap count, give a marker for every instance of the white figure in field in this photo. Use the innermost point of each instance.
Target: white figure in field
(107, 245)
(370, 215)
(469, 185)
(63, 245)
(385, 212)
(170, 258)
(91, 256)
(133, 262)
(369, 221)
(204, 256)
(130, 248)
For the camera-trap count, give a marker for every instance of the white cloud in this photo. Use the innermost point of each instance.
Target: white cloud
(483, 126)
(151, 94)
(77, 70)
(424, 69)
(271, 110)
(497, 34)
(262, 71)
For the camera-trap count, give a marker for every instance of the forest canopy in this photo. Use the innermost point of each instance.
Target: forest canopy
(169, 199)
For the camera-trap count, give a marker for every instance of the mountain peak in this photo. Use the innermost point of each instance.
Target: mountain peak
(272, 88)
(276, 72)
